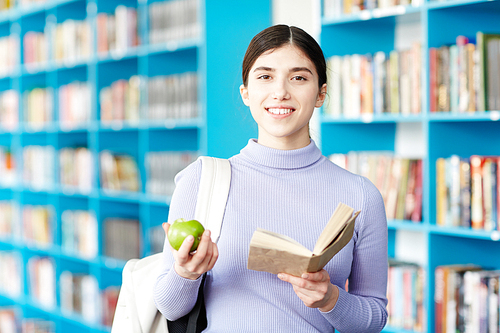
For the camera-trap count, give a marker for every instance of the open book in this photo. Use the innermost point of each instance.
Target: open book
(275, 253)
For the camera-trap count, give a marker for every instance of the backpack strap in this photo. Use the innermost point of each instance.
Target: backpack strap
(212, 193)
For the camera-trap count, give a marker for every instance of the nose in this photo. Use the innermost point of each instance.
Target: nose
(280, 91)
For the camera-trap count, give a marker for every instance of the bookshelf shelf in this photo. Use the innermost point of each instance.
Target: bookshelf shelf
(130, 140)
(440, 134)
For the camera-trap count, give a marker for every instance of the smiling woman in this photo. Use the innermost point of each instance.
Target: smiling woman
(281, 182)
(282, 91)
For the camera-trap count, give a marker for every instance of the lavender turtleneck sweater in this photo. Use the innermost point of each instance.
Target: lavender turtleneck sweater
(291, 192)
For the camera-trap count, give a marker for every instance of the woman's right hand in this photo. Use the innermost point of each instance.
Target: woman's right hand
(191, 265)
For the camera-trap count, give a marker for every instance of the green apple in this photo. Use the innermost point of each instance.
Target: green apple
(180, 229)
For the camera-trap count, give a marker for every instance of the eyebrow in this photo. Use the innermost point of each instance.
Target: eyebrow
(293, 70)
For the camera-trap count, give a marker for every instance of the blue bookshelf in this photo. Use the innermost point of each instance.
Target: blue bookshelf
(221, 128)
(443, 133)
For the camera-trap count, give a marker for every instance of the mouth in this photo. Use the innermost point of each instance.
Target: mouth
(280, 111)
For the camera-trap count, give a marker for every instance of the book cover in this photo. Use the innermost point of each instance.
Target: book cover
(476, 209)
(275, 253)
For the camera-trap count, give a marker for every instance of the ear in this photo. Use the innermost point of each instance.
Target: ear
(244, 95)
(321, 96)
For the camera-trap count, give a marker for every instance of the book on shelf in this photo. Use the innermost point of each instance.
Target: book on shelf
(9, 109)
(74, 104)
(121, 101)
(119, 172)
(375, 84)
(464, 77)
(75, 169)
(36, 224)
(109, 302)
(122, 238)
(405, 294)
(9, 54)
(173, 21)
(275, 253)
(467, 192)
(10, 226)
(488, 46)
(11, 276)
(118, 31)
(80, 295)
(38, 167)
(79, 233)
(10, 319)
(162, 168)
(38, 107)
(42, 280)
(71, 41)
(398, 179)
(466, 299)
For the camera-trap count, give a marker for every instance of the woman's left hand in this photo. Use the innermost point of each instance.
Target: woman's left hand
(314, 289)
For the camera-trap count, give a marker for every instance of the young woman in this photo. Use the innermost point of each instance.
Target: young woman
(281, 182)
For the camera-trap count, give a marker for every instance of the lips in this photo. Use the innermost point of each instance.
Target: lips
(280, 111)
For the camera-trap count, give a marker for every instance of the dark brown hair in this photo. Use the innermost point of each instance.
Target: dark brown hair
(280, 35)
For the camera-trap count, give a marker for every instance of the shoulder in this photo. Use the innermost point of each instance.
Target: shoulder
(191, 173)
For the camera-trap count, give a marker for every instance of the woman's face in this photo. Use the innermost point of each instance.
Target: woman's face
(282, 93)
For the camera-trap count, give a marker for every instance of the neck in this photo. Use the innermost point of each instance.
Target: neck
(300, 140)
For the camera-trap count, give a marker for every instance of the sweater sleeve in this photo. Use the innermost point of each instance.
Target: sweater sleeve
(363, 307)
(174, 295)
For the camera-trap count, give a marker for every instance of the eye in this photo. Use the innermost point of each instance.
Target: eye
(299, 78)
(263, 77)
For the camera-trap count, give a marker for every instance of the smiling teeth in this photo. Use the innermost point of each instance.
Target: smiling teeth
(280, 111)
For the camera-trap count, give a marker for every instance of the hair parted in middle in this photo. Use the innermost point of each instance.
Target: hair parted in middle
(280, 35)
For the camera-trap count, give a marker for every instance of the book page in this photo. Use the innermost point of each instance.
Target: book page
(339, 218)
(270, 240)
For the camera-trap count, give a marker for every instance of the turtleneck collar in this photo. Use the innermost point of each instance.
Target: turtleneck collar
(281, 159)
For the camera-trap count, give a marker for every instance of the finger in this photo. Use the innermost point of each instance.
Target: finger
(321, 276)
(183, 254)
(213, 258)
(203, 248)
(165, 226)
(294, 280)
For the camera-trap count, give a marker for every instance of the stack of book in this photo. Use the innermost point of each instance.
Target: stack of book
(38, 105)
(74, 104)
(76, 169)
(9, 54)
(162, 168)
(79, 233)
(173, 21)
(405, 293)
(399, 180)
(117, 32)
(122, 238)
(464, 77)
(466, 299)
(467, 192)
(9, 110)
(375, 84)
(119, 172)
(173, 96)
(38, 167)
(120, 102)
